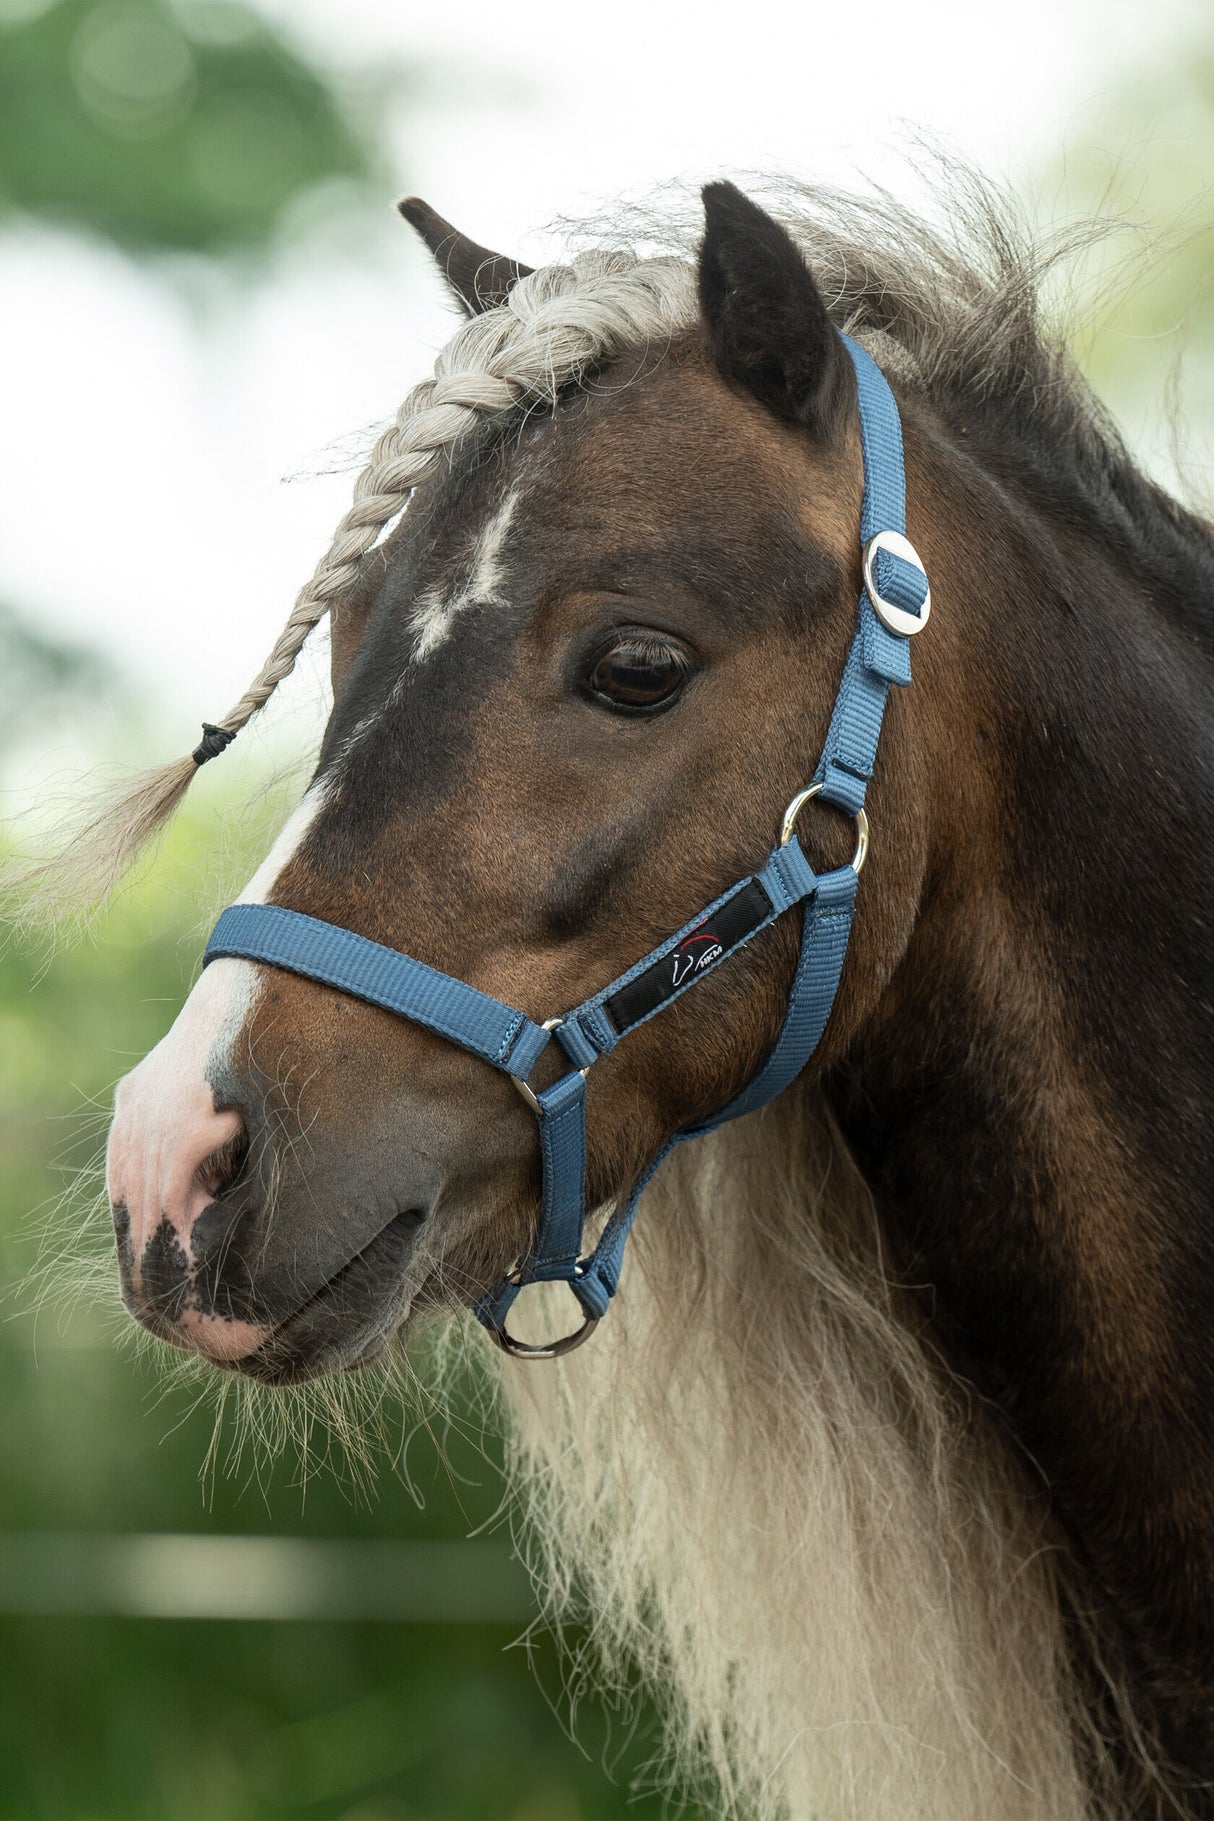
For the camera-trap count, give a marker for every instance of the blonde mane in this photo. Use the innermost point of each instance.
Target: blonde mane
(763, 1487)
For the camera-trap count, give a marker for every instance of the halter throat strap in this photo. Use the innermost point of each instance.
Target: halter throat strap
(894, 604)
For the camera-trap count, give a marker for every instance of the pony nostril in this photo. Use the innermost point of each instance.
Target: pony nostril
(220, 1170)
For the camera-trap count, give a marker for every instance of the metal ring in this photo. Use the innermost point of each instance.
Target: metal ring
(521, 1349)
(798, 804)
(898, 619)
(549, 1024)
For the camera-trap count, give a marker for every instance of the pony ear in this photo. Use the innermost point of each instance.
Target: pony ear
(767, 327)
(478, 279)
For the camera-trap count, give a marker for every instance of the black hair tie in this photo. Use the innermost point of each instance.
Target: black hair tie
(214, 740)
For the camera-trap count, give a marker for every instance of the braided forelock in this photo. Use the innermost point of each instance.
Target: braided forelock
(556, 324)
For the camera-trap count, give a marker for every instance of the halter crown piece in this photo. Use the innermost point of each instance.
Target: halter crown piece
(894, 604)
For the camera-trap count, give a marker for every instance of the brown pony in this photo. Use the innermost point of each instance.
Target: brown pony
(894, 1462)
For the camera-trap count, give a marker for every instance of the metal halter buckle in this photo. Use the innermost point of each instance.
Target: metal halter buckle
(528, 1093)
(553, 1350)
(798, 804)
(898, 619)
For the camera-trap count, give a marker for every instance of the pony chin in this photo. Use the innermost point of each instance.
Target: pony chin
(809, 1536)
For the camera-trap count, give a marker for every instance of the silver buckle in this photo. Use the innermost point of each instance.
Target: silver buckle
(898, 619)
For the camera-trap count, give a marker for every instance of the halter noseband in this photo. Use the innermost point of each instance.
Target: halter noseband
(894, 603)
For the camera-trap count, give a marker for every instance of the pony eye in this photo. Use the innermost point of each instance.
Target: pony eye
(639, 673)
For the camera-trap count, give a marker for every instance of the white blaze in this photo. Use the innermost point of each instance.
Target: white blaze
(436, 614)
(289, 840)
(165, 1124)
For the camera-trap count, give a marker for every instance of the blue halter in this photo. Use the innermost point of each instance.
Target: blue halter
(895, 602)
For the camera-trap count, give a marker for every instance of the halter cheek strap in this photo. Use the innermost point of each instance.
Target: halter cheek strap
(894, 604)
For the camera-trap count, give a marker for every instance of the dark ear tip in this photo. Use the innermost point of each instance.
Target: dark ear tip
(724, 201)
(415, 211)
(767, 329)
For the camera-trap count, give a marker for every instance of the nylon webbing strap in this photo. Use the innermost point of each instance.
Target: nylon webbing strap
(512, 1042)
(563, 1155)
(877, 657)
(321, 951)
(823, 947)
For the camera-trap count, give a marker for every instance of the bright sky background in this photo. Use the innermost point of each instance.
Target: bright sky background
(146, 437)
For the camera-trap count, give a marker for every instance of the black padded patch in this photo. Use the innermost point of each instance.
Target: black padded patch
(700, 950)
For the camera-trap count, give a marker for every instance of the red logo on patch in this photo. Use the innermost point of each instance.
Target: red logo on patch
(694, 953)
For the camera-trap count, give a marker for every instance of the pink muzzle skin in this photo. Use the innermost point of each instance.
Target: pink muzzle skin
(165, 1131)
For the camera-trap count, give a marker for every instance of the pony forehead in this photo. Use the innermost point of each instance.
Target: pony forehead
(558, 324)
(436, 611)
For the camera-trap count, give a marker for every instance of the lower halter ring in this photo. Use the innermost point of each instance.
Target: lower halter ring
(520, 1349)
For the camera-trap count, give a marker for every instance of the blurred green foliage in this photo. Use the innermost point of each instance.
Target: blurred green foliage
(137, 1719)
(188, 126)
